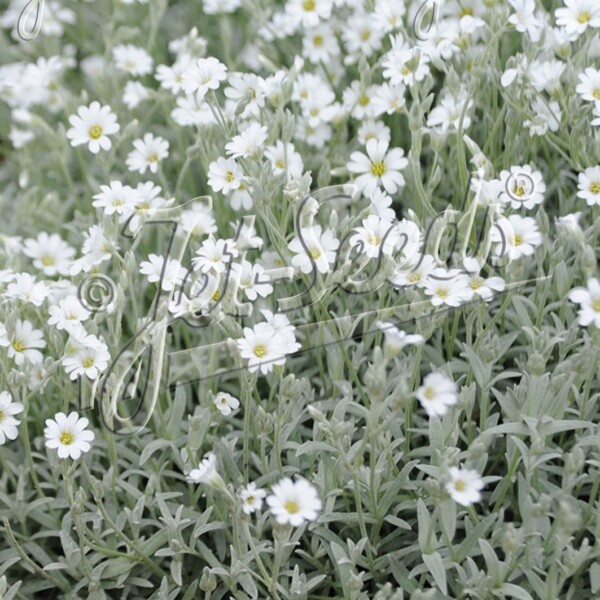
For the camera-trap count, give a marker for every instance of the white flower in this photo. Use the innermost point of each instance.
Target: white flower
(205, 74)
(224, 175)
(171, 78)
(320, 44)
(132, 59)
(376, 236)
(38, 378)
(191, 111)
(578, 15)
(248, 88)
(69, 434)
(264, 348)
(378, 168)
(226, 403)
(92, 125)
(280, 325)
(373, 130)
(206, 472)
(395, 338)
(448, 288)
(67, 314)
(252, 498)
(589, 186)
(465, 486)
(437, 393)
(546, 116)
(214, 255)
(309, 13)
(50, 253)
(23, 342)
(153, 269)
(294, 502)
(516, 236)
(115, 198)
(314, 247)
(389, 99)
(90, 357)
(545, 75)
(525, 20)
(589, 303)
(285, 159)
(147, 153)
(252, 279)
(570, 224)
(248, 143)
(478, 285)
(134, 94)
(416, 272)
(381, 205)
(522, 187)
(589, 85)
(26, 289)
(446, 117)
(8, 422)
(362, 35)
(97, 248)
(406, 65)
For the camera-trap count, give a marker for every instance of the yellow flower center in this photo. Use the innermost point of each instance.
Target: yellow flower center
(117, 202)
(595, 187)
(229, 177)
(291, 506)
(216, 296)
(414, 277)
(476, 283)
(309, 5)
(249, 499)
(378, 169)
(88, 363)
(405, 71)
(429, 393)
(48, 261)
(374, 240)
(596, 93)
(95, 132)
(442, 293)
(596, 305)
(459, 485)
(18, 345)
(153, 157)
(66, 438)
(364, 100)
(318, 40)
(365, 36)
(518, 240)
(280, 164)
(315, 253)
(1, 416)
(466, 12)
(584, 17)
(260, 350)
(519, 190)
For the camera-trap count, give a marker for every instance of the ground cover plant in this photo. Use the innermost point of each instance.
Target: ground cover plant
(300, 299)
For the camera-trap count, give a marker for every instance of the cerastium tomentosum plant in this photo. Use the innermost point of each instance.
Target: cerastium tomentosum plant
(300, 299)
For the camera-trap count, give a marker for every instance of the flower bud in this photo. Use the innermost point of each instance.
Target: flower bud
(208, 582)
(536, 364)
